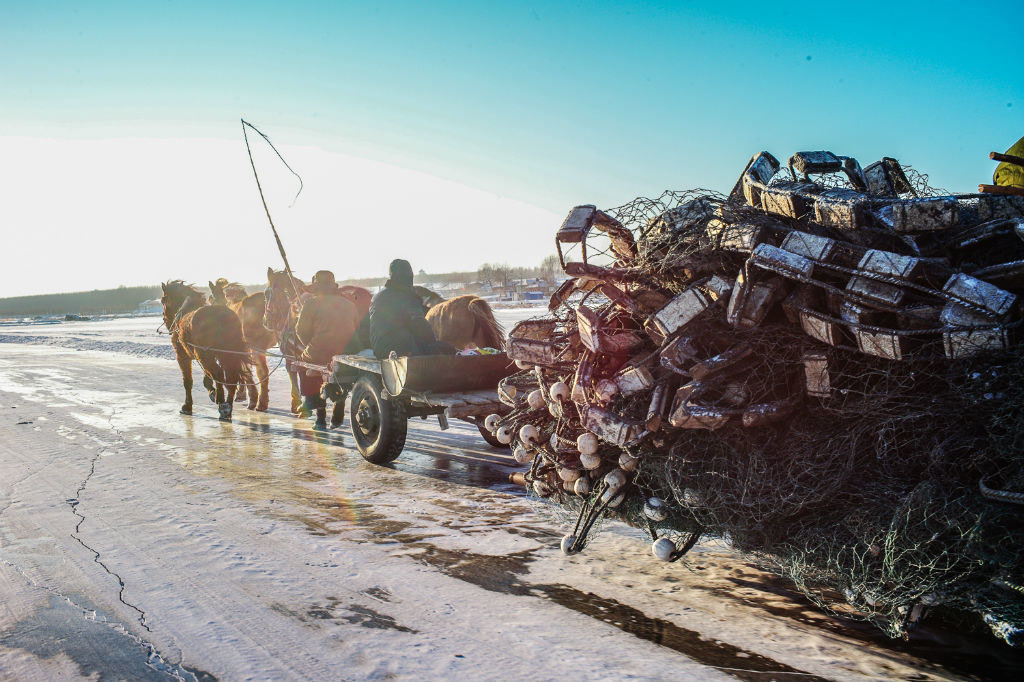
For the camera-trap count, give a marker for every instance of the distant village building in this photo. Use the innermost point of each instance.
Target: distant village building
(151, 307)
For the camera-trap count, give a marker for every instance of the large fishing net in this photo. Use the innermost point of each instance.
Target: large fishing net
(822, 368)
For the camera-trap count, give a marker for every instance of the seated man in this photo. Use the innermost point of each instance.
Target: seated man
(325, 325)
(396, 318)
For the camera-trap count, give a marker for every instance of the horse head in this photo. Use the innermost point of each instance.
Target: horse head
(217, 291)
(178, 297)
(280, 294)
(224, 292)
(429, 297)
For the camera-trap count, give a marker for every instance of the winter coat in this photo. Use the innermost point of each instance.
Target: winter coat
(325, 325)
(397, 322)
(1008, 174)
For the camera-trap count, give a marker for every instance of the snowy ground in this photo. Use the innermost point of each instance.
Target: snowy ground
(136, 543)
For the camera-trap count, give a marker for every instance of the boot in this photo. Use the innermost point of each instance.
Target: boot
(338, 414)
(318, 406)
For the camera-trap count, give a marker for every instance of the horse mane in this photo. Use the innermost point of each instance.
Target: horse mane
(492, 330)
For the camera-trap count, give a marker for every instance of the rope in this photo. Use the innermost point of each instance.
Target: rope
(277, 238)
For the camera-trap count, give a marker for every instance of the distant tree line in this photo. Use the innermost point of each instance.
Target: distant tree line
(119, 300)
(127, 299)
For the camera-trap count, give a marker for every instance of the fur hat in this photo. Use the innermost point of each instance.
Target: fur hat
(323, 282)
(400, 272)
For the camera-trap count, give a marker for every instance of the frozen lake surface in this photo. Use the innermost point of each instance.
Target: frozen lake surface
(137, 543)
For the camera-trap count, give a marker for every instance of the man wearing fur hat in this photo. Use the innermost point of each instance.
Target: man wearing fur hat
(324, 327)
(397, 321)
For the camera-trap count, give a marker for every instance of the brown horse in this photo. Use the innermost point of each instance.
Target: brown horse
(283, 300)
(201, 332)
(466, 321)
(250, 310)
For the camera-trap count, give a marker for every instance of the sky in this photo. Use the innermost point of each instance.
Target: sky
(449, 133)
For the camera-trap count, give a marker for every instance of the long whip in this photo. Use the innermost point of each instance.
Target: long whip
(277, 238)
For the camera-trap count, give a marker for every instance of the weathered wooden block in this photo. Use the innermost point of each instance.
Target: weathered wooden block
(781, 261)
(686, 416)
(633, 380)
(821, 329)
(954, 315)
(979, 293)
(724, 360)
(790, 199)
(919, 215)
(718, 288)
(887, 345)
(882, 293)
(530, 341)
(841, 208)
(885, 178)
(656, 409)
(751, 301)
(677, 313)
(608, 426)
(678, 354)
(999, 206)
(816, 375)
(759, 171)
(889, 264)
(763, 414)
(809, 246)
(815, 162)
(968, 343)
(734, 236)
(576, 225)
(588, 322)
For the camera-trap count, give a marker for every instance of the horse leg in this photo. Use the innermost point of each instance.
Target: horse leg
(211, 390)
(293, 378)
(247, 379)
(249, 387)
(263, 375)
(185, 364)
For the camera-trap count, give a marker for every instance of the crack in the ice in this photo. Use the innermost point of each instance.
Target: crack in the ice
(153, 658)
(76, 500)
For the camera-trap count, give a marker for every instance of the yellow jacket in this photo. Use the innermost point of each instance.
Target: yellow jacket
(1007, 174)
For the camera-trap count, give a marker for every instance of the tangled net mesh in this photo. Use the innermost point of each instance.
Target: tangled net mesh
(868, 499)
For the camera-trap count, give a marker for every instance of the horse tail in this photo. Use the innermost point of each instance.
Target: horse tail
(233, 362)
(493, 334)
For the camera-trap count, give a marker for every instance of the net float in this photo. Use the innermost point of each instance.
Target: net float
(491, 422)
(522, 455)
(663, 548)
(535, 399)
(503, 435)
(559, 391)
(529, 434)
(654, 509)
(587, 443)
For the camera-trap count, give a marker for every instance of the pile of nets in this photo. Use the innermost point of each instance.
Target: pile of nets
(822, 368)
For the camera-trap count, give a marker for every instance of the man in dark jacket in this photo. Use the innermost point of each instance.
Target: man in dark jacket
(396, 318)
(325, 325)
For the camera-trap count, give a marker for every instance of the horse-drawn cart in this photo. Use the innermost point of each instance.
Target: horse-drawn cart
(386, 393)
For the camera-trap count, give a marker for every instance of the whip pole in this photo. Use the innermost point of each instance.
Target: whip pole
(277, 238)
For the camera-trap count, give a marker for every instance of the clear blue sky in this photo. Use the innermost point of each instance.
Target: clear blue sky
(552, 104)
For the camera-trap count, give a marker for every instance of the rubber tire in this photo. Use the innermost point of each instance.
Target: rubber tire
(491, 439)
(386, 444)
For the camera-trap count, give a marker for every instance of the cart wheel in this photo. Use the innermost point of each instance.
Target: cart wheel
(489, 437)
(378, 425)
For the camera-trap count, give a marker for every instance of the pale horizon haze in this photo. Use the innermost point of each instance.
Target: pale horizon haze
(446, 133)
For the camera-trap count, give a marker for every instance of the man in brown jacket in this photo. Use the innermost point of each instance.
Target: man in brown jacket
(325, 325)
